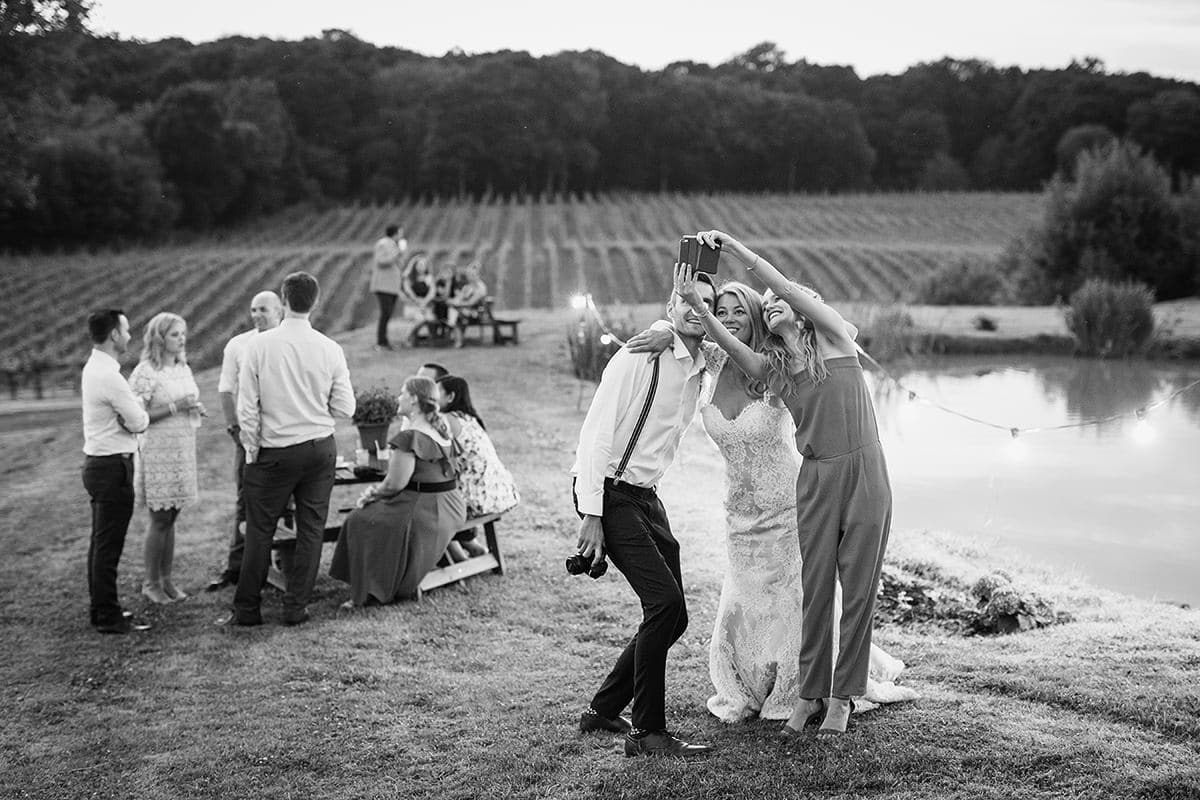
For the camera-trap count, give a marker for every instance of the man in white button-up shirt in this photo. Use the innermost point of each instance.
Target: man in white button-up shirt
(112, 416)
(293, 382)
(625, 446)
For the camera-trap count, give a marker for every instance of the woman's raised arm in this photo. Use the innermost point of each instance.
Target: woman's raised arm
(827, 321)
(752, 363)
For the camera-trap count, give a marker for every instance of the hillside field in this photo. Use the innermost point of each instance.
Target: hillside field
(866, 248)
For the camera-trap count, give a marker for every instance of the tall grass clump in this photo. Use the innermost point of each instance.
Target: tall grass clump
(1111, 320)
(966, 282)
(1117, 220)
(888, 332)
(591, 346)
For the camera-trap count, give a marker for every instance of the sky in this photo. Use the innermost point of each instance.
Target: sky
(874, 36)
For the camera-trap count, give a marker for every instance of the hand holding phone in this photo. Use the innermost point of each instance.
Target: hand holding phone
(698, 254)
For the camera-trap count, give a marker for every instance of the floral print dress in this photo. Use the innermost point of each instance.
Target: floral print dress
(486, 483)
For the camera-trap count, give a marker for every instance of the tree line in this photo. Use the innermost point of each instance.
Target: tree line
(108, 140)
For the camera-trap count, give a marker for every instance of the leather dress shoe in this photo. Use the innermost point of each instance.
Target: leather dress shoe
(123, 625)
(298, 618)
(662, 743)
(221, 583)
(240, 622)
(591, 722)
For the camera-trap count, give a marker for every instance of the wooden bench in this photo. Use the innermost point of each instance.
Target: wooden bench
(491, 561)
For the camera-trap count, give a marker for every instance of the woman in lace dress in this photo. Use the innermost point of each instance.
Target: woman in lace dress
(755, 649)
(165, 472)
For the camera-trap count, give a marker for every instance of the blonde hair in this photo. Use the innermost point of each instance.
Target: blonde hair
(785, 366)
(752, 302)
(154, 340)
(423, 390)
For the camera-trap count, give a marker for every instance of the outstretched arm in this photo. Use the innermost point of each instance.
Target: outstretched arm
(826, 321)
(750, 362)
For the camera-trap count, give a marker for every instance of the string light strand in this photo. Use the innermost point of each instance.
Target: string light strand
(585, 303)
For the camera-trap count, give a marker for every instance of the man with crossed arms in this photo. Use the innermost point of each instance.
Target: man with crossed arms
(266, 312)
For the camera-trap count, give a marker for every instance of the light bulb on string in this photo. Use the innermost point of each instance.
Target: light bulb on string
(1017, 450)
(1142, 432)
(579, 302)
(605, 339)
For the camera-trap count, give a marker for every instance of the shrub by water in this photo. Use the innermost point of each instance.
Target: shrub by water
(1111, 320)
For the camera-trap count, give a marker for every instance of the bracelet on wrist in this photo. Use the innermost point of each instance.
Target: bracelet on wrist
(171, 407)
(753, 263)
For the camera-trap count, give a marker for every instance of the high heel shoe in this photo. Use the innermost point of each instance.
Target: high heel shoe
(171, 591)
(812, 719)
(155, 593)
(825, 734)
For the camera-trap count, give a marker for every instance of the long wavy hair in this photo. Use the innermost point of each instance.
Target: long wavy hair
(423, 390)
(154, 340)
(753, 303)
(462, 397)
(785, 367)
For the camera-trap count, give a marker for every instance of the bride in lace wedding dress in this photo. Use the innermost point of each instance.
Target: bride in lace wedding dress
(754, 653)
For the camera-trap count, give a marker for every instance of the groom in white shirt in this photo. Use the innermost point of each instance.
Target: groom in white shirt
(632, 430)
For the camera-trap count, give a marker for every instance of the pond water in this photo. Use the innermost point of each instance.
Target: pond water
(1118, 502)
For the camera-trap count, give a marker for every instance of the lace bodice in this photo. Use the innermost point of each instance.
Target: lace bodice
(758, 445)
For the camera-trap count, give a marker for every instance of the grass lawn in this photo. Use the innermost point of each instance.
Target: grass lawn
(476, 691)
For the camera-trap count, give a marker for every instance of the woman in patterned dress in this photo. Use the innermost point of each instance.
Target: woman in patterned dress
(165, 472)
(486, 483)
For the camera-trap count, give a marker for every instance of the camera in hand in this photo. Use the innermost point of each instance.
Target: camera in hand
(698, 254)
(579, 564)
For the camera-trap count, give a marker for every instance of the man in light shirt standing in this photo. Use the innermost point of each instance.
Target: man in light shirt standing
(266, 312)
(293, 382)
(385, 279)
(632, 430)
(112, 416)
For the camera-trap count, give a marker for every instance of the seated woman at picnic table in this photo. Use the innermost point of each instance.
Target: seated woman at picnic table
(416, 283)
(486, 483)
(403, 524)
(466, 301)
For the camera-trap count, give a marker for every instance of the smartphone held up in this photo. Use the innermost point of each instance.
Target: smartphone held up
(698, 254)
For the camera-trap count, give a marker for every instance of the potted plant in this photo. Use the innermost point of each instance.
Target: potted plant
(374, 410)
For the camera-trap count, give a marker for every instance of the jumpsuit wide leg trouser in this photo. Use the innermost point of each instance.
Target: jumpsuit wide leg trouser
(844, 515)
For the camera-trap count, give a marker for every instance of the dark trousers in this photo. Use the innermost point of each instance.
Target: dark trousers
(237, 542)
(305, 473)
(639, 542)
(387, 304)
(109, 482)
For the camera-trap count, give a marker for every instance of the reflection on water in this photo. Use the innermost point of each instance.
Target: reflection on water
(1124, 513)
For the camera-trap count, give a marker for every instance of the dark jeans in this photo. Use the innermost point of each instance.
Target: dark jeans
(109, 482)
(639, 542)
(387, 304)
(305, 473)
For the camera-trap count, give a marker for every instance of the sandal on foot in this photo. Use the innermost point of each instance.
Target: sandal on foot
(812, 719)
(826, 734)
